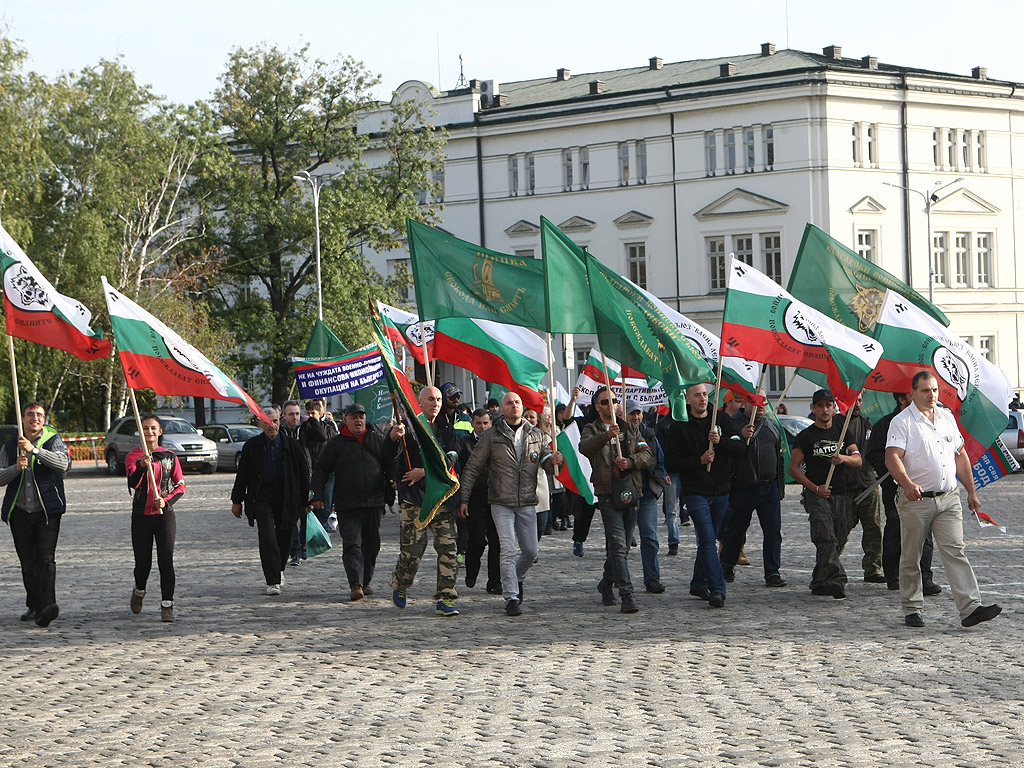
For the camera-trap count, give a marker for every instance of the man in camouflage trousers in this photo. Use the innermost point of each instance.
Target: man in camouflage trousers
(413, 540)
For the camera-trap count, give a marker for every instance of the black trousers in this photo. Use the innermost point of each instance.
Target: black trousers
(582, 516)
(891, 545)
(275, 534)
(35, 541)
(482, 535)
(161, 529)
(360, 543)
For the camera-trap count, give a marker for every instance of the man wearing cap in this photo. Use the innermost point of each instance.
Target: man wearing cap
(758, 483)
(358, 458)
(652, 486)
(512, 452)
(616, 450)
(925, 455)
(818, 449)
(450, 415)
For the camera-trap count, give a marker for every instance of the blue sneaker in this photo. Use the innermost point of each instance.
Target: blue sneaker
(398, 598)
(577, 548)
(446, 608)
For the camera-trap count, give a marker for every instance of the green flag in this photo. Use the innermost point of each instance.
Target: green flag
(458, 279)
(323, 343)
(565, 279)
(634, 331)
(845, 286)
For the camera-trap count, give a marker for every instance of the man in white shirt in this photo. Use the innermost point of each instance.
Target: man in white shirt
(925, 455)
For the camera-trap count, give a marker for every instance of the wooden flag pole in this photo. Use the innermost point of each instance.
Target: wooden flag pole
(753, 408)
(145, 448)
(842, 434)
(784, 392)
(714, 410)
(551, 397)
(14, 384)
(426, 357)
(398, 420)
(608, 385)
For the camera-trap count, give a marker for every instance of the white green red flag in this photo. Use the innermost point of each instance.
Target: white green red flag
(33, 310)
(763, 322)
(575, 472)
(975, 390)
(404, 328)
(154, 356)
(598, 373)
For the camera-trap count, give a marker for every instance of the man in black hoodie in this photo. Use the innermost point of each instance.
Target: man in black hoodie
(708, 439)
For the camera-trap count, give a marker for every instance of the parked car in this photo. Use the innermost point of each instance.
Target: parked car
(193, 450)
(1013, 436)
(229, 439)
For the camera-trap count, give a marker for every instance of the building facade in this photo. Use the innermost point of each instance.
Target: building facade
(664, 170)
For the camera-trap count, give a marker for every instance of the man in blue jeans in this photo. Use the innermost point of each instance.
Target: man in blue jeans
(758, 483)
(652, 487)
(707, 439)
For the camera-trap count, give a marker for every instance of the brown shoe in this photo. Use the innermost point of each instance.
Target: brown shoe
(136, 603)
(167, 613)
(742, 559)
(367, 591)
(357, 593)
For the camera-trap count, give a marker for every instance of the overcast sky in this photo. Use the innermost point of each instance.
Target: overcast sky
(180, 47)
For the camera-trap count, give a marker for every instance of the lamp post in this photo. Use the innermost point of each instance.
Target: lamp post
(929, 198)
(315, 183)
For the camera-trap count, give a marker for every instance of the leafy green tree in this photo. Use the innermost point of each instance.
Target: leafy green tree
(285, 113)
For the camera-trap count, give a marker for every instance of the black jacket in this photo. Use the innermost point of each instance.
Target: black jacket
(360, 470)
(294, 475)
(446, 438)
(686, 441)
(874, 453)
(478, 498)
(745, 468)
(48, 480)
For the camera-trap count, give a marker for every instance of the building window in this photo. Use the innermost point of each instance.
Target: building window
(710, 153)
(968, 154)
(769, 148)
(867, 244)
(986, 346)
(439, 184)
(421, 196)
(584, 168)
(872, 131)
(730, 152)
(962, 259)
(856, 144)
(513, 175)
(772, 251)
(636, 263)
(525, 253)
(940, 257)
(979, 146)
(743, 249)
(623, 164)
(641, 162)
(776, 378)
(531, 174)
(582, 355)
(983, 257)
(748, 149)
(399, 269)
(716, 255)
(951, 149)
(567, 170)
(937, 148)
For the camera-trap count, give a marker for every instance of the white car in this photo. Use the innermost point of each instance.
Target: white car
(229, 439)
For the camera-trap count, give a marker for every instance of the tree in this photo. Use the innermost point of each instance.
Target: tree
(285, 113)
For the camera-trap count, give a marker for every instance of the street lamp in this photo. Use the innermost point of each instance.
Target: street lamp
(929, 198)
(315, 183)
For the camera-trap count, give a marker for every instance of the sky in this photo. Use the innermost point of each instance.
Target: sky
(180, 48)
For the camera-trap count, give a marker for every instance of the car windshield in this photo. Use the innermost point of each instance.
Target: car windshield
(178, 427)
(241, 434)
(794, 424)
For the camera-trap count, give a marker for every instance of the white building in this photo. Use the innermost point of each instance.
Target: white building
(663, 170)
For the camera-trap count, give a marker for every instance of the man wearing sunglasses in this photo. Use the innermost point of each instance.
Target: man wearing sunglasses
(615, 447)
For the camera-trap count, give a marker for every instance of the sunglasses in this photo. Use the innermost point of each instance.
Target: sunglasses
(605, 401)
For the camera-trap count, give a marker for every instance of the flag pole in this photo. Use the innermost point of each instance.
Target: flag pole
(718, 386)
(14, 384)
(551, 396)
(785, 391)
(608, 386)
(145, 448)
(753, 409)
(842, 434)
(426, 356)
(398, 420)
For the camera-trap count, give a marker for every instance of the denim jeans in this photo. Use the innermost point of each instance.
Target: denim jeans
(708, 514)
(618, 532)
(670, 505)
(647, 524)
(765, 500)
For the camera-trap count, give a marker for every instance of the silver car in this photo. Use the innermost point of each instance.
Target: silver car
(193, 450)
(1013, 436)
(229, 439)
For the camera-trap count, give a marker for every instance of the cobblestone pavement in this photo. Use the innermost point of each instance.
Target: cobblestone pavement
(777, 678)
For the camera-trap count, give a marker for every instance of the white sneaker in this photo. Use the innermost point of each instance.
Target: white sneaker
(332, 523)
(273, 589)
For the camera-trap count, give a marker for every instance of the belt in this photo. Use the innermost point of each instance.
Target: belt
(933, 494)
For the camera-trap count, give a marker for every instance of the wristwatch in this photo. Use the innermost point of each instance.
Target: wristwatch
(35, 451)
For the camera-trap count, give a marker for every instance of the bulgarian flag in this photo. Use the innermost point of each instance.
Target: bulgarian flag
(440, 481)
(155, 357)
(763, 322)
(976, 391)
(33, 310)
(404, 328)
(575, 472)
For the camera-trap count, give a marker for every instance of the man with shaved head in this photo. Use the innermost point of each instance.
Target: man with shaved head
(413, 540)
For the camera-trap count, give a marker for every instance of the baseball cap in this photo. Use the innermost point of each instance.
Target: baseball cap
(632, 406)
(820, 395)
(354, 408)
